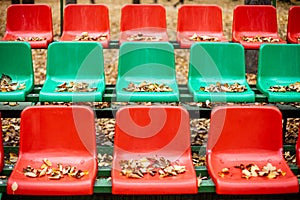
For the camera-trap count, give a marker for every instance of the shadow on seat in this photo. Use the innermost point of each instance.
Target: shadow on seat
(77, 62)
(16, 62)
(150, 131)
(64, 135)
(254, 20)
(203, 20)
(93, 19)
(217, 62)
(278, 65)
(146, 61)
(147, 19)
(247, 135)
(293, 26)
(29, 20)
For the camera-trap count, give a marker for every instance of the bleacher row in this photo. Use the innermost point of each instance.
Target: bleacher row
(148, 22)
(239, 135)
(210, 64)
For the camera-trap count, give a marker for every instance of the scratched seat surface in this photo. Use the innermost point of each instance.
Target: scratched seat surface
(254, 20)
(202, 20)
(293, 26)
(62, 135)
(16, 62)
(29, 20)
(146, 19)
(213, 63)
(278, 65)
(93, 19)
(149, 132)
(146, 61)
(76, 62)
(247, 135)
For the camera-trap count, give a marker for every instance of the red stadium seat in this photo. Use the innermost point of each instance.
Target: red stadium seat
(247, 135)
(144, 131)
(60, 134)
(254, 20)
(26, 21)
(93, 19)
(203, 20)
(293, 26)
(146, 19)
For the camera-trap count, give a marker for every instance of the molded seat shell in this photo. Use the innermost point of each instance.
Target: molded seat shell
(146, 61)
(63, 135)
(148, 19)
(254, 20)
(29, 20)
(278, 64)
(149, 131)
(247, 135)
(76, 62)
(217, 62)
(93, 19)
(16, 62)
(293, 26)
(204, 20)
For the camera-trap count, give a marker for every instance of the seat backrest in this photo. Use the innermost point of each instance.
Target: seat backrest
(75, 60)
(60, 129)
(293, 26)
(29, 18)
(144, 129)
(279, 61)
(78, 17)
(16, 59)
(154, 60)
(214, 62)
(255, 18)
(136, 16)
(200, 18)
(244, 128)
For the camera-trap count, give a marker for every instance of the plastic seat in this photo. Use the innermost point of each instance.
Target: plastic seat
(247, 135)
(146, 61)
(254, 20)
(278, 64)
(61, 134)
(29, 20)
(218, 62)
(79, 62)
(144, 131)
(203, 20)
(293, 26)
(148, 19)
(1, 149)
(16, 62)
(93, 19)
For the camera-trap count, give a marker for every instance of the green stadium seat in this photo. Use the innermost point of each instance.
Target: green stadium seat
(217, 62)
(146, 61)
(78, 62)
